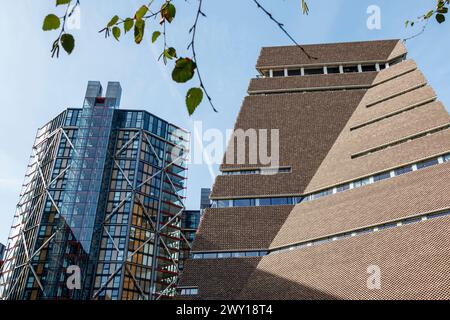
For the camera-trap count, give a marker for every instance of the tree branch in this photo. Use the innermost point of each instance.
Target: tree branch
(191, 46)
(281, 26)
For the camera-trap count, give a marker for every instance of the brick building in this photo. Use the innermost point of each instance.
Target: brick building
(362, 187)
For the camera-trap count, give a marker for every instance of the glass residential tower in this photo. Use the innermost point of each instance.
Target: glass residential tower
(103, 200)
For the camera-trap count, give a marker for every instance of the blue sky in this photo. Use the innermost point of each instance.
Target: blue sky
(35, 87)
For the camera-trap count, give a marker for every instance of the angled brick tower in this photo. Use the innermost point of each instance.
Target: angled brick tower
(360, 205)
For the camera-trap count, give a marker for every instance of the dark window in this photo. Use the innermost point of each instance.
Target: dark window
(265, 202)
(278, 73)
(294, 72)
(284, 170)
(361, 183)
(403, 170)
(428, 163)
(446, 158)
(224, 255)
(313, 71)
(297, 200)
(350, 69)
(322, 194)
(243, 202)
(411, 220)
(382, 176)
(382, 66)
(343, 187)
(209, 255)
(223, 203)
(369, 68)
(280, 201)
(331, 70)
(398, 60)
(251, 254)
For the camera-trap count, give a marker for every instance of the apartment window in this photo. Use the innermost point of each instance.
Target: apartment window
(189, 291)
(382, 176)
(403, 170)
(382, 66)
(350, 69)
(369, 68)
(446, 157)
(313, 71)
(278, 73)
(294, 72)
(426, 164)
(332, 70)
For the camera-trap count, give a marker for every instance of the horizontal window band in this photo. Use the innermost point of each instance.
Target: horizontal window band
(395, 95)
(258, 171)
(294, 200)
(311, 89)
(328, 88)
(330, 64)
(400, 141)
(394, 113)
(365, 230)
(199, 255)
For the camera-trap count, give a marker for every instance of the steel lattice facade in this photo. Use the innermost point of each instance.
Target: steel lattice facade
(104, 192)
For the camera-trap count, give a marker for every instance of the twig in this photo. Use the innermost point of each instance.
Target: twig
(281, 26)
(191, 46)
(424, 27)
(67, 14)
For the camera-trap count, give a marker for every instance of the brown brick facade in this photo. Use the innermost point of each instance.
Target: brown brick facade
(324, 121)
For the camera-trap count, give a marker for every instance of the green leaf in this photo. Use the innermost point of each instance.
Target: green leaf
(155, 36)
(305, 8)
(170, 53)
(113, 21)
(139, 27)
(429, 14)
(59, 2)
(67, 42)
(193, 98)
(116, 33)
(440, 17)
(184, 70)
(51, 22)
(141, 12)
(168, 12)
(128, 24)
